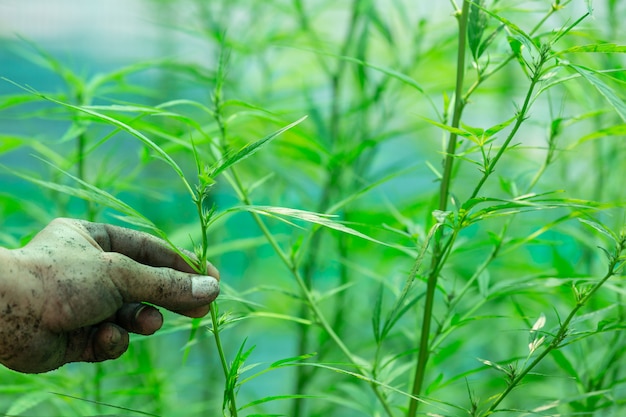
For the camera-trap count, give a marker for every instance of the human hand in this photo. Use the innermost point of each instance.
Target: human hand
(75, 291)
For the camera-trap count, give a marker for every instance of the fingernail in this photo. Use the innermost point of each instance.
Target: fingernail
(204, 287)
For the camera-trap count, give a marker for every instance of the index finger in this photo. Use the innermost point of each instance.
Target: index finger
(141, 247)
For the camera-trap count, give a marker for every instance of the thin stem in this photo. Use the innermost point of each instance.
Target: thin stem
(482, 77)
(563, 329)
(490, 164)
(438, 255)
(333, 183)
(309, 298)
(230, 395)
(218, 342)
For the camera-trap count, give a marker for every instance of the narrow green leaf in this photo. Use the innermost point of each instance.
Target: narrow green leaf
(606, 91)
(489, 40)
(90, 192)
(524, 37)
(597, 226)
(146, 141)
(10, 142)
(617, 130)
(516, 48)
(385, 70)
(604, 48)
(15, 100)
(292, 359)
(380, 24)
(117, 407)
(564, 363)
(377, 312)
(483, 281)
(125, 108)
(401, 306)
(359, 376)
(285, 317)
(275, 398)
(477, 21)
(309, 217)
(236, 370)
(497, 128)
(451, 129)
(250, 149)
(26, 402)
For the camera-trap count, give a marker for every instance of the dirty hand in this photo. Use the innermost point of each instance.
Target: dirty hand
(75, 291)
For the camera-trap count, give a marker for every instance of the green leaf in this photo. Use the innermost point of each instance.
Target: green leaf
(489, 40)
(497, 128)
(523, 37)
(604, 48)
(380, 24)
(10, 142)
(606, 91)
(26, 402)
(483, 283)
(236, 368)
(292, 359)
(110, 120)
(278, 316)
(117, 407)
(385, 70)
(377, 312)
(477, 21)
(359, 376)
(307, 216)
(601, 229)
(564, 363)
(91, 193)
(249, 150)
(275, 398)
(455, 130)
(15, 100)
(617, 130)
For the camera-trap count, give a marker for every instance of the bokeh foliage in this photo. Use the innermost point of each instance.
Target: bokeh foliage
(337, 240)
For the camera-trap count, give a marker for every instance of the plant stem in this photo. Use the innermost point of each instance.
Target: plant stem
(222, 355)
(521, 116)
(309, 298)
(437, 263)
(331, 186)
(229, 394)
(564, 328)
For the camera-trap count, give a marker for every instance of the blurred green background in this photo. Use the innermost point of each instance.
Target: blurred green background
(365, 127)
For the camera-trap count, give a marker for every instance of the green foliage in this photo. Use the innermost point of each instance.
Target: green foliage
(414, 212)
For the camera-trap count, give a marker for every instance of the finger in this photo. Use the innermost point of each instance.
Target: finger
(164, 287)
(108, 341)
(96, 343)
(195, 312)
(141, 247)
(139, 318)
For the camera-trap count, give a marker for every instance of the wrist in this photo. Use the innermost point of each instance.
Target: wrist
(8, 307)
(19, 320)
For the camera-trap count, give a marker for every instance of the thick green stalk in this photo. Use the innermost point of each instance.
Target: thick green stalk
(437, 263)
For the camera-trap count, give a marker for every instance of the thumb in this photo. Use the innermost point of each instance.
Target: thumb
(165, 287)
